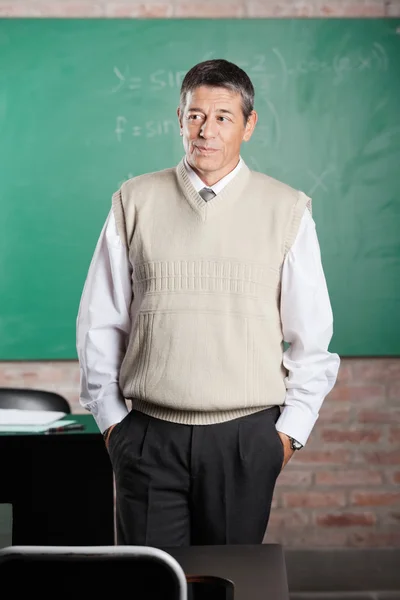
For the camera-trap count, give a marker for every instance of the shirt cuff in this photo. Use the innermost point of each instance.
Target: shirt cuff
(107, 412)
(296, 423)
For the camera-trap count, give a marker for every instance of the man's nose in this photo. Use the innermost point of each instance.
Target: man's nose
(208, 129)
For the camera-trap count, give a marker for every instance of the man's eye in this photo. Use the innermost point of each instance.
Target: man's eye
(223, 118)
(194, 117)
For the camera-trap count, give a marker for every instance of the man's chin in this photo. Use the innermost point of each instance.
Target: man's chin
(205, 163)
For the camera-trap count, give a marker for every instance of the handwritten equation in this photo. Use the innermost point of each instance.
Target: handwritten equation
(149, 129)
(157, 81)
(264, 70)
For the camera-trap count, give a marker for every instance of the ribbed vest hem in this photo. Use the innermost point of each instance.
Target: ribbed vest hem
(191, 417)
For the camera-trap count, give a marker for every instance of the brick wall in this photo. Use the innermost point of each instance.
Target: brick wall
(205, 8)
(343, 488)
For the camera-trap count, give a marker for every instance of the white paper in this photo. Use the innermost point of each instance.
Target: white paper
(11, 416)
(33, 428)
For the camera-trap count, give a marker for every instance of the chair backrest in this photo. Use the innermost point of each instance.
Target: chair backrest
(99, 571)
(32, 399)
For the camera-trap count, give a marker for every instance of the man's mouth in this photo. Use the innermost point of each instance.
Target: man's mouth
(206, 150)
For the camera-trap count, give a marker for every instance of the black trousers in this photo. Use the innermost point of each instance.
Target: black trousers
(180, 485)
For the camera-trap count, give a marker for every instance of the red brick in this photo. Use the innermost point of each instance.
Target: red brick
(334, 457)
(18, 10)
(208, 10)
(369, 539)
(313, 499)
(382, 457)
(259, 10)
(343, 9)
(311, 538)
(353, 436)
(393, 9)
(348, 477)
(66, 8)
(275, 501)
(287, 519)
(393, 390)
(146, 10)
(364, 10)
(294, 478)
(296, 10)
(273, 536)
(388, 415)
(36, 373)
(328, 10)
(345, 374)
(10, 373)
(354, 393)
(394, 435)
(396, 477)
(340, 392)
(281, 9)
(376, 369)
(393, 517)
(369, 498)
(44, 375)
(332, 413)
(345, 519)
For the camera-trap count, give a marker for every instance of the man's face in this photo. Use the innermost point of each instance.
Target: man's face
(213, 129)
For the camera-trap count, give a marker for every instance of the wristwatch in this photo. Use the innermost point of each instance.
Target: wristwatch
(294, 444)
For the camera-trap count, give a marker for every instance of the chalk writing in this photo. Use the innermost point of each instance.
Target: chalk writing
(156, 81)
(126, 80)
(319, 180)
(149, 129)
(264, 69)
(162, 79)
(271, 132)
(120, 127)
(362, 60)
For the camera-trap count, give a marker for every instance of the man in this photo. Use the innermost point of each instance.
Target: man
(200, 273)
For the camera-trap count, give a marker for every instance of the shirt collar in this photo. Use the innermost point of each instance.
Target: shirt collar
(198, 184)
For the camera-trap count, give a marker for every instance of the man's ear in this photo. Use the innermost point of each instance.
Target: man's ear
(179, 113)
(250, 125)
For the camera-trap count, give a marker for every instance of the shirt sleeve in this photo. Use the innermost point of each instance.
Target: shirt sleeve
(307, 324)
(102, 328)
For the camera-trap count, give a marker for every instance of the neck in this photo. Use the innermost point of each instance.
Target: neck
(210, 178)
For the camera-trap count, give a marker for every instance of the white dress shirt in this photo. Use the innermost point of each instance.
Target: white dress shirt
(103, 327)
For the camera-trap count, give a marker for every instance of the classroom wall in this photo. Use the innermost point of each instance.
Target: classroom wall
(342, 490)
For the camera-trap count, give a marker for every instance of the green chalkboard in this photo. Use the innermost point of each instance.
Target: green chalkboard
(86, 104)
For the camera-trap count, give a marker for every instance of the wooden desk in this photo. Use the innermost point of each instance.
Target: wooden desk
(60, 486)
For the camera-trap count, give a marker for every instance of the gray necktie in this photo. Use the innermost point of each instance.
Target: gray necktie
(207, 194)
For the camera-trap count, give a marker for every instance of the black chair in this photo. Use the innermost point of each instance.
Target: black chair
(32, 399)
(140, 572)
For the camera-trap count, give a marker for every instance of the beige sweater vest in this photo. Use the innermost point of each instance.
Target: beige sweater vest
(206, 339)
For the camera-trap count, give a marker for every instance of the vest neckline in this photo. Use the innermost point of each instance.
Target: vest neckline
(226, 197)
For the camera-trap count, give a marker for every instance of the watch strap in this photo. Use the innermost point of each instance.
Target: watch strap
(294, 444)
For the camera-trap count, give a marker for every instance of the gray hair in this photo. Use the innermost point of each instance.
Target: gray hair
(220, 73)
